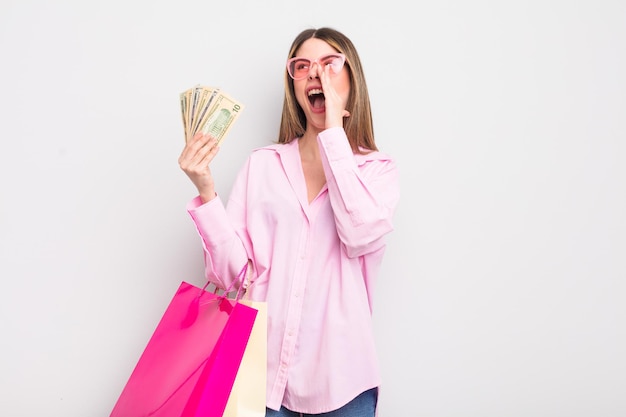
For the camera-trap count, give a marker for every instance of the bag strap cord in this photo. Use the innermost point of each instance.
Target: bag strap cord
(242, 273)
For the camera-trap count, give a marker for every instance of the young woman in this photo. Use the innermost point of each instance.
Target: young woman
(311, 213)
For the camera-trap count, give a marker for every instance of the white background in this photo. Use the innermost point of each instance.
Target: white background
(503, 289)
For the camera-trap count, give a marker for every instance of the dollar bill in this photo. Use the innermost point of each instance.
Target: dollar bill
(223, 113)
(208, 110)
(206, 101)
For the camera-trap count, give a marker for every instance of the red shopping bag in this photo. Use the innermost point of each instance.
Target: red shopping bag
(190, 363)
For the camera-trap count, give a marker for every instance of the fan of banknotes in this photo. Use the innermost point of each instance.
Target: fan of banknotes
(208, 110)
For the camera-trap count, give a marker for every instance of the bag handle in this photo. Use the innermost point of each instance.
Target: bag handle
(243, 273)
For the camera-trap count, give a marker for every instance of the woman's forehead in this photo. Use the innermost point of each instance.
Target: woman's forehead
(314, 48)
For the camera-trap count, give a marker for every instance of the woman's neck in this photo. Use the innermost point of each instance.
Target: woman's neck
(309, 149)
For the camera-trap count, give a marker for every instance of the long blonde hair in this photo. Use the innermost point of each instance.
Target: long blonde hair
(359, 126)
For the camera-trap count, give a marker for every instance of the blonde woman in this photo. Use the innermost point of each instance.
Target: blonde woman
(311, 212)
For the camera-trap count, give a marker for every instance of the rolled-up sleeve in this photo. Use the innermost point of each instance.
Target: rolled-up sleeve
(219, 240)
(363, 189)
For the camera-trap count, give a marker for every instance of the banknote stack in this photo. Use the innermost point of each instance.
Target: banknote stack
(208, 110)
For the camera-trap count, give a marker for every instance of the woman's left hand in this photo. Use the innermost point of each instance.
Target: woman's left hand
(335, 105)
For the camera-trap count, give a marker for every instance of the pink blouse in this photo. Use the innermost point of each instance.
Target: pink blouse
(315, 264)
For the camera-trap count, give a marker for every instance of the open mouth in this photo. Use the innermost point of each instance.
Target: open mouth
(316, 98)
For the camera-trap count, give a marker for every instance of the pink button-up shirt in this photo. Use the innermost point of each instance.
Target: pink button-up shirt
(314, 263)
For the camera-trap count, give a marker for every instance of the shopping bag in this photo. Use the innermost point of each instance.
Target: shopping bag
(248, 395)
(191, 360)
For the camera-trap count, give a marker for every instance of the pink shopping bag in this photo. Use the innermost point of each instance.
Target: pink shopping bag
(190, 363)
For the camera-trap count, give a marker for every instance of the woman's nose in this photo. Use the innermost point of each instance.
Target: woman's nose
(313, 70)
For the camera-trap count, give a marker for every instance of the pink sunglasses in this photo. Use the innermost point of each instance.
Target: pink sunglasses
(298, 68)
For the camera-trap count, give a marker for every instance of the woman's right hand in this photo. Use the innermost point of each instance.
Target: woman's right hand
(194, 161)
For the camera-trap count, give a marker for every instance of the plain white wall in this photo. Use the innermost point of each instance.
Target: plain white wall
(502, 293)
